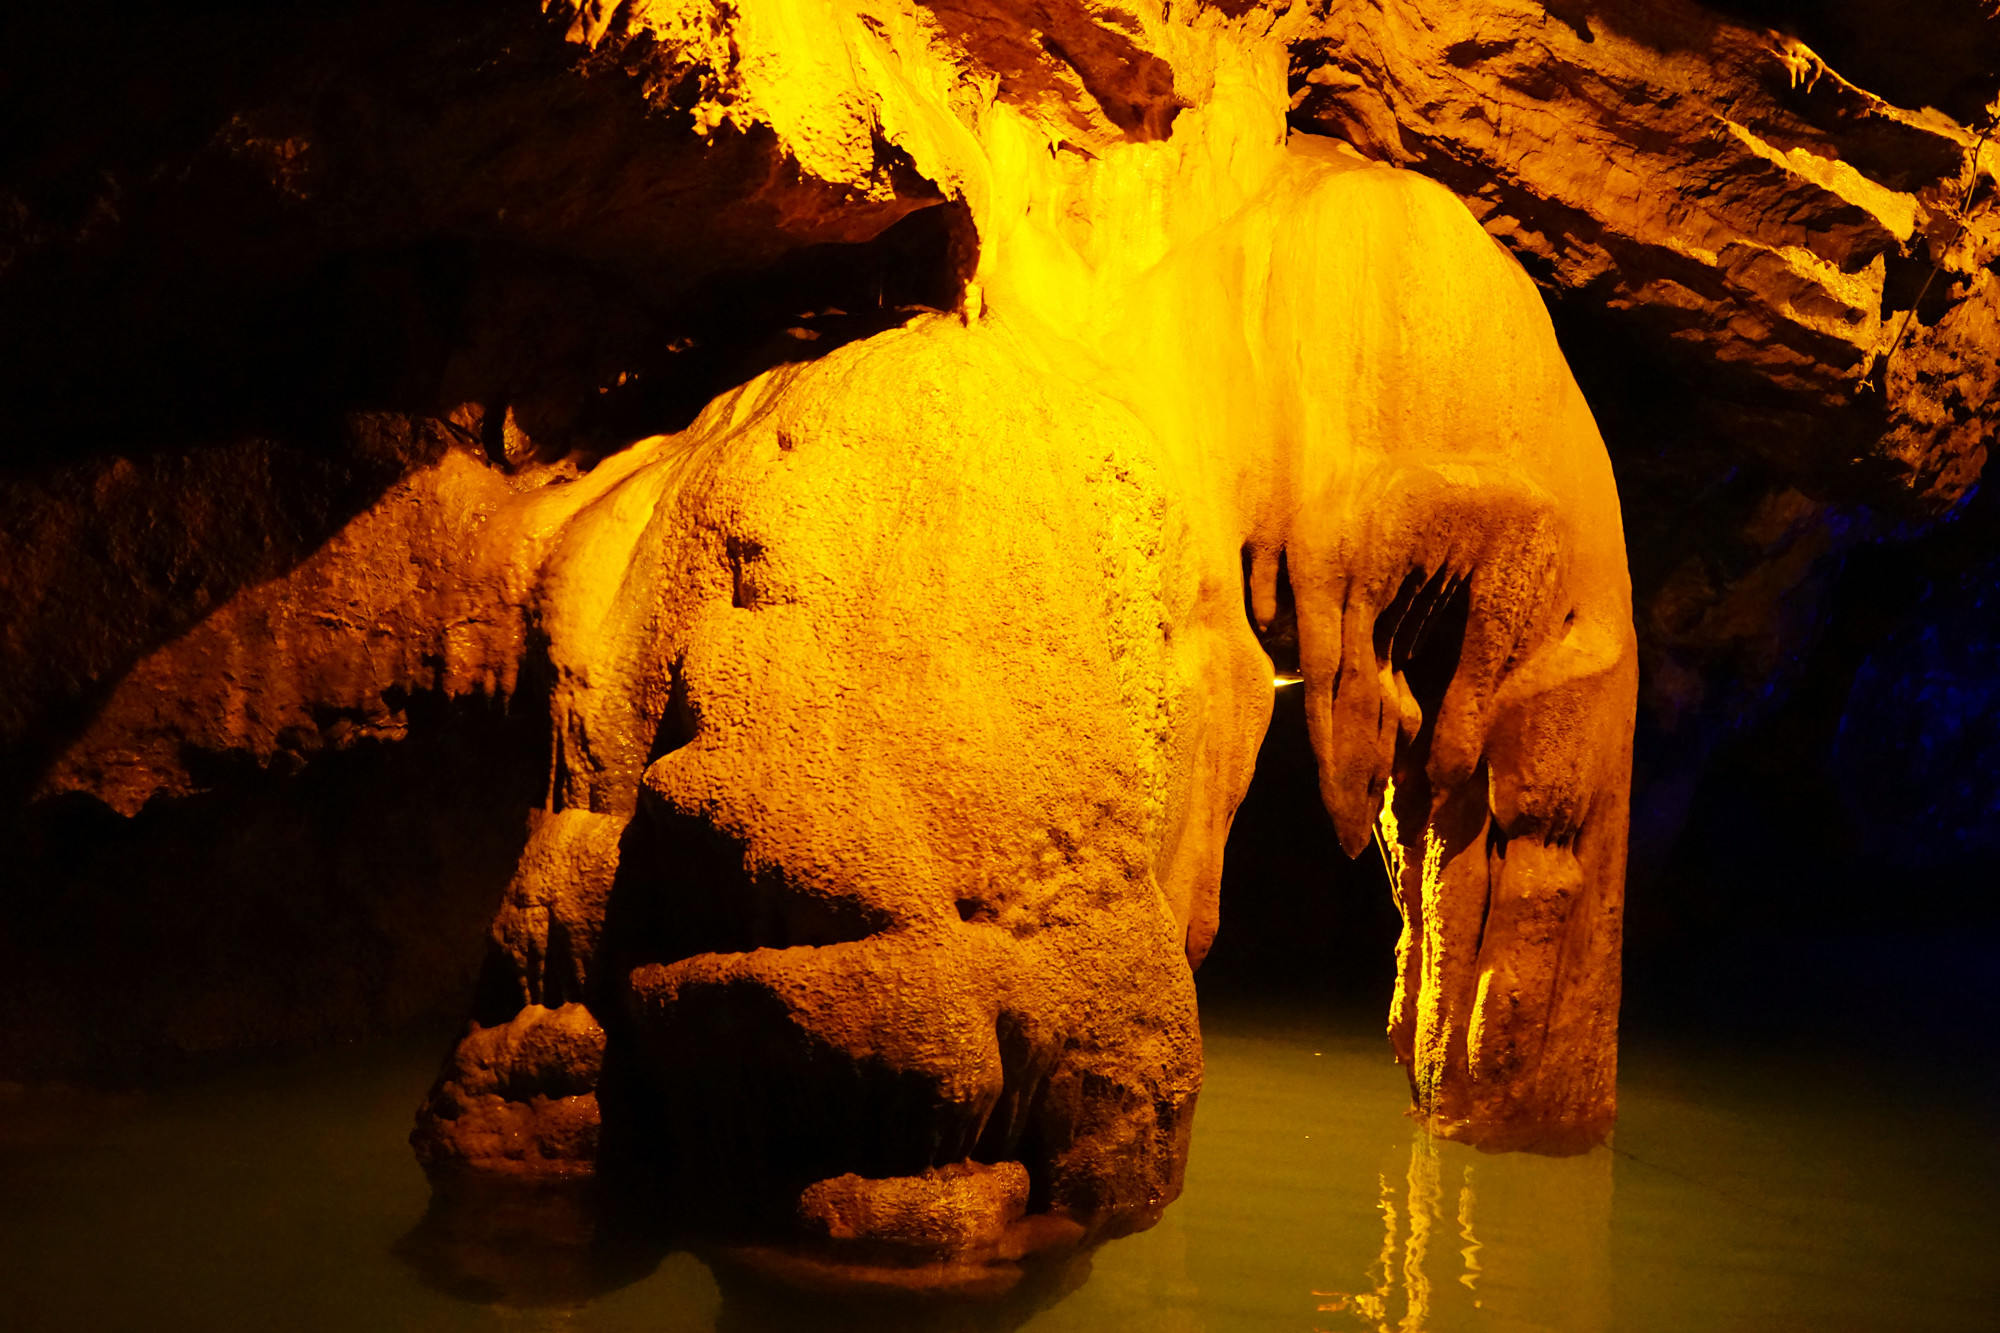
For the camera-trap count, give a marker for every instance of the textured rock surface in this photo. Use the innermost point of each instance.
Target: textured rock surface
(314, 396)
(315, 660)
(890, 899)
(929, 708)
(1735, 230)
(265, 275)
(933, 704)
(519, 1099)
(1720, 185)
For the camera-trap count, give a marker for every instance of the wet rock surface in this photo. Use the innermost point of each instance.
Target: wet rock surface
(1725, 191)
(326, 557)
(1766, 233)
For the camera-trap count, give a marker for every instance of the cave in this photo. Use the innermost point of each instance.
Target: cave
(954, 665)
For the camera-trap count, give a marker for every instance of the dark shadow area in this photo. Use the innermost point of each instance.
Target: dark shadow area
(219, 219)
(738, 325)
(1912, 53)
(749, 1306)
(1833, 879)
(259, 263)
(1298, 919)
(272, 911)
(1816, 802)
(528, 1244)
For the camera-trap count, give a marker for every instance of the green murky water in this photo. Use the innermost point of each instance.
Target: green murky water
(1766, 1191)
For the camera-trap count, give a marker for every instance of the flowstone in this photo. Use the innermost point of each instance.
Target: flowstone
(901, 706)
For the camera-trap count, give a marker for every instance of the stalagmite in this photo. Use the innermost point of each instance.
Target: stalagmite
(913, 691)
(900, 705)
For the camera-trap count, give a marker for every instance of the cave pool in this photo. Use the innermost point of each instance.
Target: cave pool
(1757, 1188)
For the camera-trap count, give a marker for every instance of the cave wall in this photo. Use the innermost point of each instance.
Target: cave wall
(271, 280)
(288, 301)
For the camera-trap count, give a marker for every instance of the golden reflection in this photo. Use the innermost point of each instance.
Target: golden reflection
(1543, 1262)
(1470, 1254)
(1423, 1179)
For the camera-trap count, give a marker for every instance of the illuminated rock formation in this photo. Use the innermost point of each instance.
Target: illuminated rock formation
(1718, 183)
(349, 246)
(899, 704)
(1779, 258)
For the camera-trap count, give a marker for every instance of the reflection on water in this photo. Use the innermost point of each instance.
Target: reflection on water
(1772, 1192)
(1546, 1257)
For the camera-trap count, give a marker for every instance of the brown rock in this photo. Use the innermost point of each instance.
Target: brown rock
(933, 792)
(946, 1210)
(517, 1100)
(899, 706)
(1717, 186)
(958, 1230)
(548, 930)
(313, 661)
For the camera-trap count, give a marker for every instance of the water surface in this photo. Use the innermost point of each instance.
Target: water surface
(1766, 1189)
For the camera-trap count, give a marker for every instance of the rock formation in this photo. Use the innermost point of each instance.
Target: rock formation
(901, 704)
(1031, 384)
(1779, 281)
(1722, 184)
